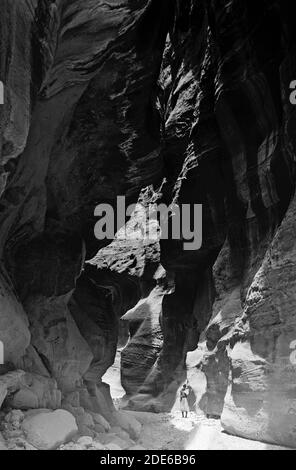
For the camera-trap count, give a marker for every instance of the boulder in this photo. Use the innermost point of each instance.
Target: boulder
(97, 446)
(12, 434)
(72, 399)
(116, 440)
(12, 380)
(37, 392)
(47, 431)
(10, 383)
(113, 446)
(85, 424)
(15, 418)
(71, 446)
(78, 411)
(99, 419)
(103, 438)
(85, 441)
(19, 443)
(128, 423)
(86, 431)
(24, 399)
(31, 413)
(99, 428)
(120, 433)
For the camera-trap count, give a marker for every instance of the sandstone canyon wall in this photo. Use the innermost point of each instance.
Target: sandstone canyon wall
(181, 101)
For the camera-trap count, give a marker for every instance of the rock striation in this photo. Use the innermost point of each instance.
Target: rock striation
(183, 102)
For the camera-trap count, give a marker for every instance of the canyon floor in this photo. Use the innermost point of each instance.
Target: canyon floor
(75, 428)
(169, 431)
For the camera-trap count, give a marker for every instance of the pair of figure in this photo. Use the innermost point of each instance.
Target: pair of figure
(184, 406)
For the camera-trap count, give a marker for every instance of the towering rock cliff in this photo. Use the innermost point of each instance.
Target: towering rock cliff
(180, 101)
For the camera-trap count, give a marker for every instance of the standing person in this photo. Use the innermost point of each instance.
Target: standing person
(184, 401)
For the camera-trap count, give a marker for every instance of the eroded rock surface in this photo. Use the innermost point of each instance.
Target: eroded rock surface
(184, 102)
(47, 431)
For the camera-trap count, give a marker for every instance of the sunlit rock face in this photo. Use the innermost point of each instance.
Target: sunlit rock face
(179, 101)
(79, 126)
(229, 124)
(228, 143)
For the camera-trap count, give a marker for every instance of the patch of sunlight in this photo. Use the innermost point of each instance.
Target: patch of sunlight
(183, 424)
(112, 378)
(203, 436)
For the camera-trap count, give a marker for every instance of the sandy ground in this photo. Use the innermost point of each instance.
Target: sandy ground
(169, 431)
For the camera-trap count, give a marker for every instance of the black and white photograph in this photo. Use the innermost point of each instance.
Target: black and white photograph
(147, 228)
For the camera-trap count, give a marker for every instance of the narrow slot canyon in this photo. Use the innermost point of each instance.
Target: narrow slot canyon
(172, 103)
